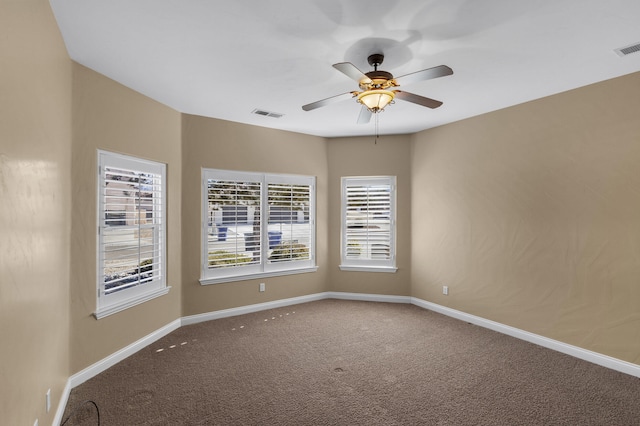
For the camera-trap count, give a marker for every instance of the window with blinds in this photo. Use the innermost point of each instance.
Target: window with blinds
(131, 231)
(289, 208)
(234, 222)
(368, 223)
(256, 225)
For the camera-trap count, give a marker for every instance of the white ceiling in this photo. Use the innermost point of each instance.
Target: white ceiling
(224, 59)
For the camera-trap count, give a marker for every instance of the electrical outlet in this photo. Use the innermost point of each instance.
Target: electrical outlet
(445, 290)
(262, 286)
(48, 400)
(35, 423)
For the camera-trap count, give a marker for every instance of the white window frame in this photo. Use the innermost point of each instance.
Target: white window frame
(368, 264)
(264, 268)
(108, 304)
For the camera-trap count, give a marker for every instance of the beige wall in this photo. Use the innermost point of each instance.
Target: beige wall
(35, 153)
(531, 216)
(110, 117)
(390, 156)
(210, 143)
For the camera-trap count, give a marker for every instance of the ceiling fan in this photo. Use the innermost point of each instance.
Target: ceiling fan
(377, 87)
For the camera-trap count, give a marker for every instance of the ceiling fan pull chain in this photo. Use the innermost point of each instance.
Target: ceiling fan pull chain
(375, 142)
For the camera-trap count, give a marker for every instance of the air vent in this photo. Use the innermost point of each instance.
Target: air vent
(266, 113)
(624, 51)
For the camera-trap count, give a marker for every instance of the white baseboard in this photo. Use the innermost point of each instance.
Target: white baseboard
(100, 366)
(97, 368)
(575, 351)
(368, 297)
(194, 319)
(62, 405)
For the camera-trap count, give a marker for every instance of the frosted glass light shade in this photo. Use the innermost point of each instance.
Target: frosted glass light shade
(376, 100)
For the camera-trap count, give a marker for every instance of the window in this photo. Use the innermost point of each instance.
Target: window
(368, 224)
(131, 232)
(256, 225)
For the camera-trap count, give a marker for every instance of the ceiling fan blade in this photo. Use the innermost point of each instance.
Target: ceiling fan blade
(365, 115)
(417, 99)
(327, 101)
(350, 70)
(428, 74)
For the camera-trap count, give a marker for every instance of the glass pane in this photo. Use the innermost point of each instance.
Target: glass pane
(233, 225)
(130, 225)
(289, 228)
(128, 257)
(368, 222)
(120, 197)
(131, 198)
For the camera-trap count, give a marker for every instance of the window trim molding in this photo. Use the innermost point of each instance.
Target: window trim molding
(134, 295)
(368, 268)
(266, 269)
(105, 311)
(260, 275)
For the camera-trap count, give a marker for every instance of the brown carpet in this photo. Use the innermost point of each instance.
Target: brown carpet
(337, 362)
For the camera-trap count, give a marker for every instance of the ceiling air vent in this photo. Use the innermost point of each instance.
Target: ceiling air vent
(624, 51)
(266, 113)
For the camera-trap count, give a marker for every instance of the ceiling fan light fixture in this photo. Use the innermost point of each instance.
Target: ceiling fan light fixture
(376, 100)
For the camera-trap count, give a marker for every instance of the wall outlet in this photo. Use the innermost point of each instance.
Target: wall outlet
(445, 290)
(262, 286)
(35, 423)
(48, 400)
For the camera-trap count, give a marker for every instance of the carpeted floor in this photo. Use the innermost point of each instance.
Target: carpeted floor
(336, 362)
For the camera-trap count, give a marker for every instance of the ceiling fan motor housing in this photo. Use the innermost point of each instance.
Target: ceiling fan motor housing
(378, 80)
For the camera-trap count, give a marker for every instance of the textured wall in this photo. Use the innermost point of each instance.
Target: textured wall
(111, 117)
(35, 152)
(210, 143)
(531, 216)
(362, 157)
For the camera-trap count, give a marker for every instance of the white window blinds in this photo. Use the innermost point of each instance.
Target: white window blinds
(256, 224)
(234, 221)
(131, 229)
(289, 208)
(368, 222)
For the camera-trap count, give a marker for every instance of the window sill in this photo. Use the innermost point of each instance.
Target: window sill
(354, 268)
(121, 306)
(219, 280)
